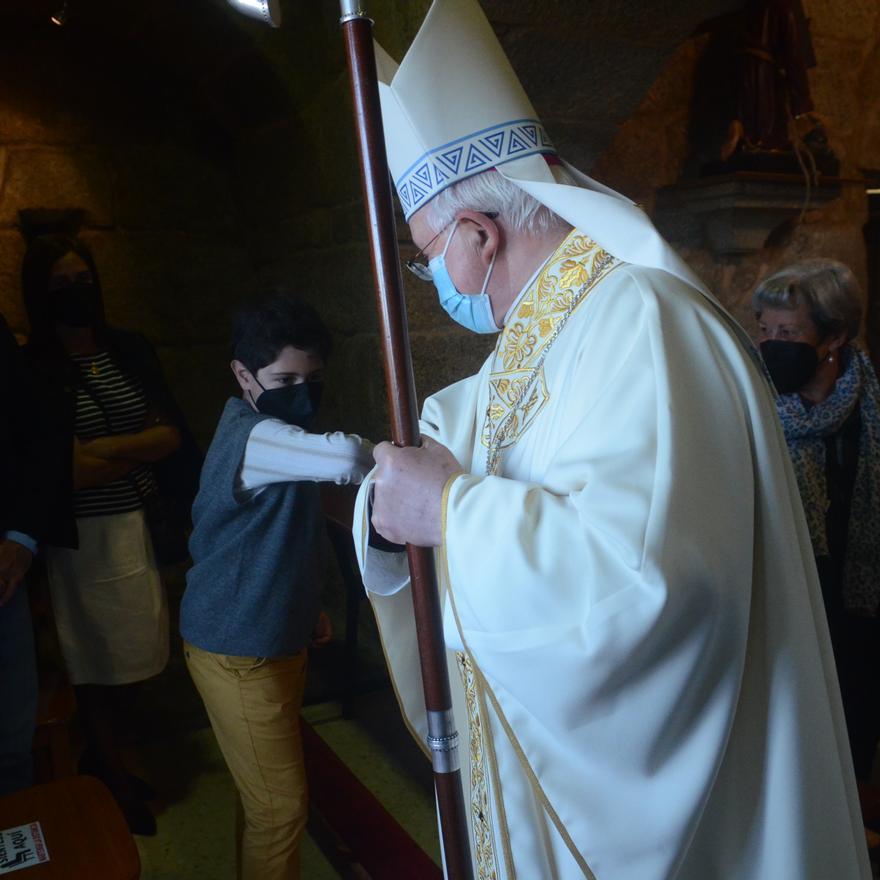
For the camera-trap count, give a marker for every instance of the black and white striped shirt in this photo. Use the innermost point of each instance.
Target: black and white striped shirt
(110, 402)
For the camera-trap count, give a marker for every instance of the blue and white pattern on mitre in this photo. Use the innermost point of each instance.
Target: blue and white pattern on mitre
(471, 154)
(454, 106)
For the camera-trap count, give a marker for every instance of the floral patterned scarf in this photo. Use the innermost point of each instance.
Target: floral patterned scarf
(805, 431)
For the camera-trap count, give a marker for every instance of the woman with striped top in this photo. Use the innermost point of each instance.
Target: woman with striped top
(107, 595)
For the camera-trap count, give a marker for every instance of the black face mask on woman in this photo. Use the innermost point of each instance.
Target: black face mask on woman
(76, 304)
(294, 404)
(790, 364)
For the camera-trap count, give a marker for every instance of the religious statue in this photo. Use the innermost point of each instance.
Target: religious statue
(774, 127)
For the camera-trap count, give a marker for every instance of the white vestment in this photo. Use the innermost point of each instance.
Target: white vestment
(642, 677)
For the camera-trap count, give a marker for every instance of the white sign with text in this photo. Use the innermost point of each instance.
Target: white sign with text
(22, 847)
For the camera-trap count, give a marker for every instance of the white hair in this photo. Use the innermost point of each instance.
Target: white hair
(491, 192)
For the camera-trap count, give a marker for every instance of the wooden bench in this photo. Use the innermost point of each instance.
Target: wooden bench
(84, 832)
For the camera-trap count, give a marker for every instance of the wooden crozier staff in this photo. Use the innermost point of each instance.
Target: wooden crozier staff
(442, 736)
(357, 30)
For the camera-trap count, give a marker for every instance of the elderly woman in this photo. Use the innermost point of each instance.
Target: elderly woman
(808, 315)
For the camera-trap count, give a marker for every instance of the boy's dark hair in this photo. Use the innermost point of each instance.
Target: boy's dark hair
(261, 330)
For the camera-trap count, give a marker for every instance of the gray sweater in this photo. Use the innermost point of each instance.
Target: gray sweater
(253, 588)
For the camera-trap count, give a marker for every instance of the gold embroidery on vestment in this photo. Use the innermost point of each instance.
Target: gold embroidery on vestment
(518, 389)
(506, 390)
(481, 815)
(497, 791)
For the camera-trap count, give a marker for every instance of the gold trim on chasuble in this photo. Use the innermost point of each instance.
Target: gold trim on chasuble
(518, 390)
(481, 810)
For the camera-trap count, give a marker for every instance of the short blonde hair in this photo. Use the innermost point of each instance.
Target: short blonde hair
(829, 289)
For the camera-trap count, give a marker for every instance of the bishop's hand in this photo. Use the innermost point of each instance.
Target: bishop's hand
(408, 491)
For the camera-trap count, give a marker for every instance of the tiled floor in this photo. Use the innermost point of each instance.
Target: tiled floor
(196, 831)
(197, 819)
(380, 752)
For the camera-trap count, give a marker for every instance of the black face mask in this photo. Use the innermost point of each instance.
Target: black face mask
(76, 304)
(790, 364)
(294, 404)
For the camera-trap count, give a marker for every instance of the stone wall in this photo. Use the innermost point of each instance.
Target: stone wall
(298, 182)
(79, 129)
(217, 161)
(663, 142)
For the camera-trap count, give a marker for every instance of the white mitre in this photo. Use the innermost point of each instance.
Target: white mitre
(454, 107)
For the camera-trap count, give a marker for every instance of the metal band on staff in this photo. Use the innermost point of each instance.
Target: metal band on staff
(352, 9)
(442, 741)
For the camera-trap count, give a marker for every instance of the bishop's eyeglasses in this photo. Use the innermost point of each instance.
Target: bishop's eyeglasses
(422, 270)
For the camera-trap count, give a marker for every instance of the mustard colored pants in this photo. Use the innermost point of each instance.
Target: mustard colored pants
(253, 705)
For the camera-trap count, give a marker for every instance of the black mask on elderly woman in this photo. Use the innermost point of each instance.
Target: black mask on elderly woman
(76, 304)
(294, 404)
(790, 364)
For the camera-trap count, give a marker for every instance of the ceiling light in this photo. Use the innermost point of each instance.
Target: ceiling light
(60, 16)
(267, 11)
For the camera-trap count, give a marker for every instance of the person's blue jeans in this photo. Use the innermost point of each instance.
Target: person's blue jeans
(18, 693)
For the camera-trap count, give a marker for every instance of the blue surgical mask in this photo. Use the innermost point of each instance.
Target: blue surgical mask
(472, 310)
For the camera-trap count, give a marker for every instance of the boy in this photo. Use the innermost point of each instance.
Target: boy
(251, 603)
